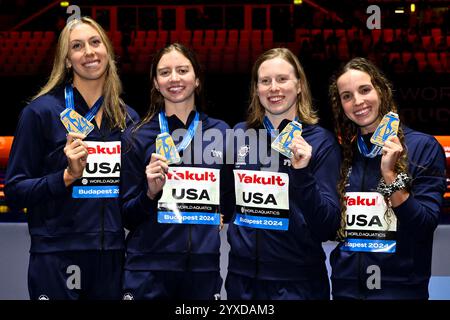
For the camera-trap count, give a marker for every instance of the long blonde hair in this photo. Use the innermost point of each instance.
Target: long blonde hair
(305, 110)
(347, 130)
(113, 106)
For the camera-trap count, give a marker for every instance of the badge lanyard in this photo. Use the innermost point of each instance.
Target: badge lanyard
(68, 94)
(269, 126)
(362, 147)
(164, 126)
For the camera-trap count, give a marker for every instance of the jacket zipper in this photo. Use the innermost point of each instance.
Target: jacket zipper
(257, 254)
(188, 260)
(362, 290)
(102, 234)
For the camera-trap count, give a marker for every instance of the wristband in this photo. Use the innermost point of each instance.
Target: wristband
(401, 182)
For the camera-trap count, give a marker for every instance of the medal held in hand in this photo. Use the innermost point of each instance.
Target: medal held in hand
(74, 122)
(166, 147)
(387, 127)
(284, 139)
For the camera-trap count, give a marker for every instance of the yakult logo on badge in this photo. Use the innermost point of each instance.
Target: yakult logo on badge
(104, 150)
(188, 175)
(255, 179)
(362, 201)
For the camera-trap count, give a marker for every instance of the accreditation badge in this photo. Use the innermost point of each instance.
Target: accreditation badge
(368, 228)
(387, 127)
(101, 177)
(74, 122)
(166, 147)
(262, 199)
(190, 196)
(284, 139)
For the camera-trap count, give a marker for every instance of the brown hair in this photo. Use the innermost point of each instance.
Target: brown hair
(156, 98)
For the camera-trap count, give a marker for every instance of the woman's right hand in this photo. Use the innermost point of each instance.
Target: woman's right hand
(76, 153)
(156, 172)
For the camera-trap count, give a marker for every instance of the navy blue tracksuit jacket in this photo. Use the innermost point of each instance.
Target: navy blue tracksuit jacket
(405, 273)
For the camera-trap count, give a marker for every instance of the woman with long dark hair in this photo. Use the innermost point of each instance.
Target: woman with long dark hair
(173, 194)
(390, 192)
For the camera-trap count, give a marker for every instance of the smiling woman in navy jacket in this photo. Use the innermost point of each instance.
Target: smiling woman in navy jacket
(70, 182)
(390, 194)
(173, 212)
(288, 206)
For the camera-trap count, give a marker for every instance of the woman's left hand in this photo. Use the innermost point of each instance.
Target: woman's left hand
(302, 152)
(391, 152)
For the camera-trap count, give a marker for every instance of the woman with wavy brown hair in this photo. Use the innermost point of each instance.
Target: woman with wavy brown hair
(390, 192)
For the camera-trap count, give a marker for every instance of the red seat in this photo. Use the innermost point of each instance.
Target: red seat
(163, 35)
(198, 35)
(140, 34)
(394, 55)
(327, 33)
(406, 56)
(197, 43)
(14, 35)
(376, 34)
(233, 37)
(151, 35)
(388, 35)
(209, 42)
(174, 36)
(420, 57)
(426, 42)
(267, 39)
(209, 35)
(49, 35)
(221, 37)
(26, 35)
(186, 37)
(436, 33)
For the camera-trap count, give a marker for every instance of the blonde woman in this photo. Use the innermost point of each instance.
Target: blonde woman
(69, 182)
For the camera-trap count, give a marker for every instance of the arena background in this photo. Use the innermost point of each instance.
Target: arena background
(411, 46)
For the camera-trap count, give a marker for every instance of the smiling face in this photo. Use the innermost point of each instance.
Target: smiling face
(87, 54)
(176, 79)
(359, 99)
(278, 88)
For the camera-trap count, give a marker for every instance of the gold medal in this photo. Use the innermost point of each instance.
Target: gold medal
(284, 139)
(166, 147)
(74, 122)
(387, 127)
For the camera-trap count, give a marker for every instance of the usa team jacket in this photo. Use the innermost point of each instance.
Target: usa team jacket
(294, 254)
(405, 273)
(34, 180)
(161, 246)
